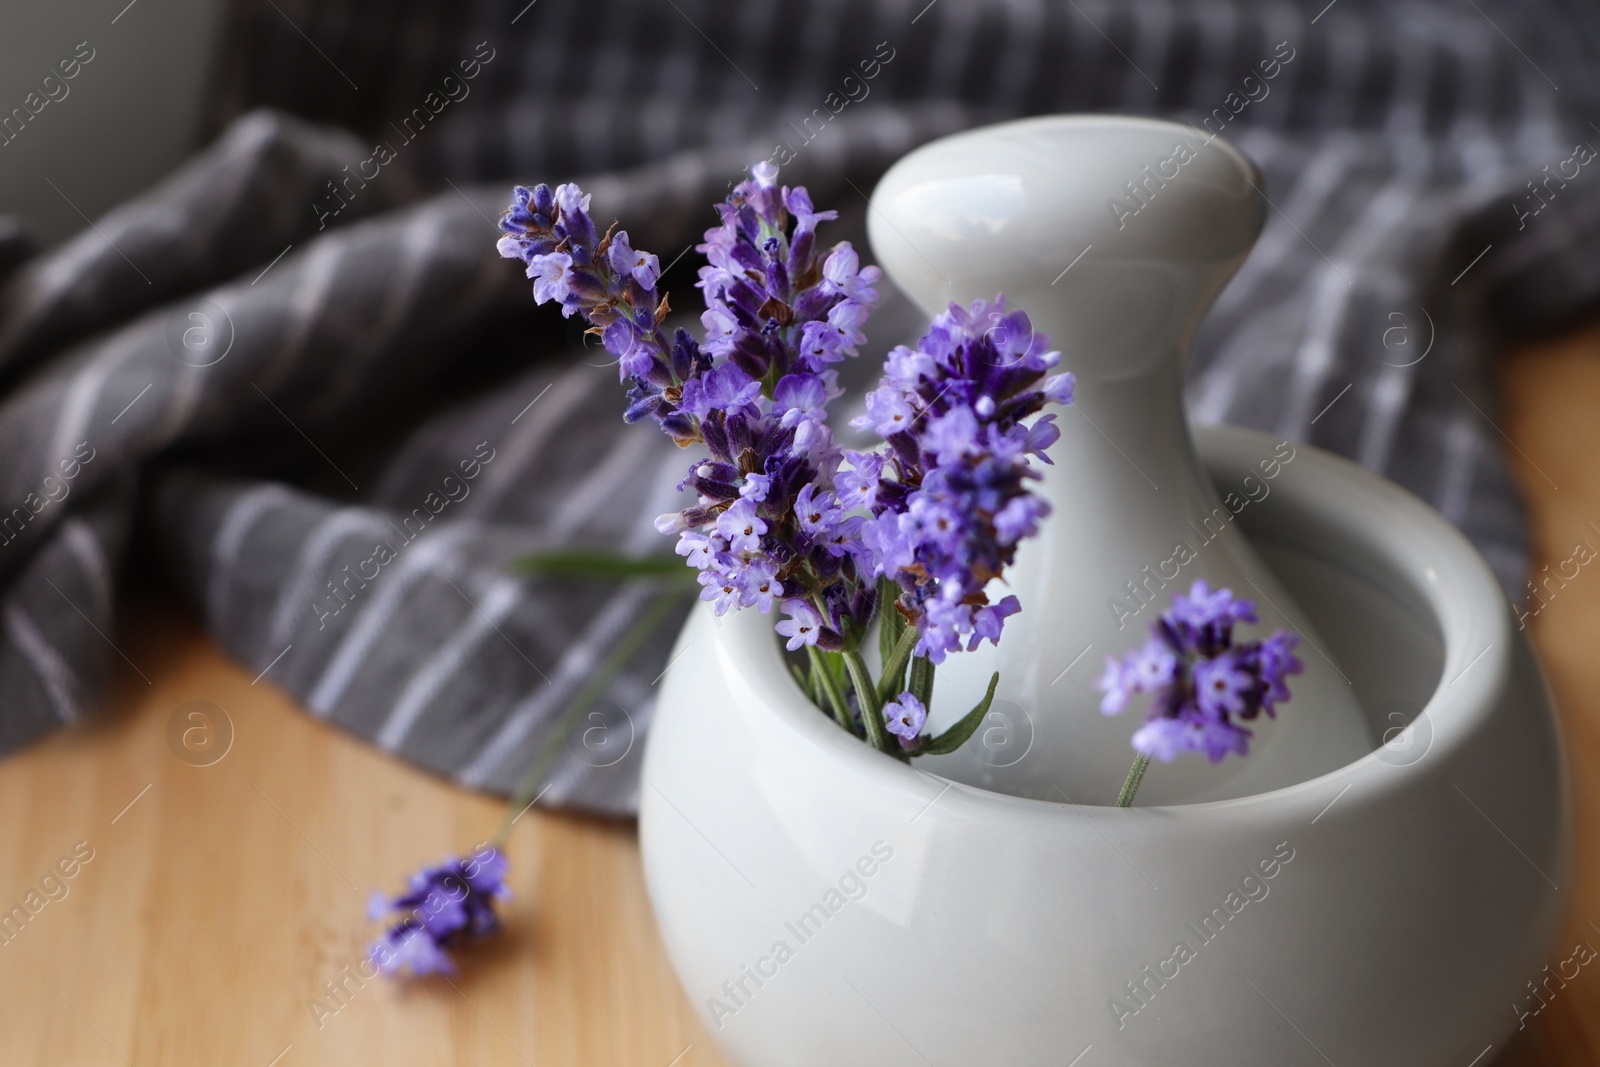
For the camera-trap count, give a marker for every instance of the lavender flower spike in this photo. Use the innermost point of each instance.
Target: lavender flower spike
(445, 905)
(766, 528)
(1204, 684)
(951, 498)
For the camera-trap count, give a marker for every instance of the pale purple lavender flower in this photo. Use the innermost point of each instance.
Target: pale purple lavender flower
(803, 397)
(446, 905)
(755, 488)
(696, 549)
(644, 266)
(761, 585)
(722, 590)
(888, 412)
(857, 484)
(742, 526)
(844, 275)
(550, 273)
(904, 717)
(1200, 679)
(817, 512)
(802, 627)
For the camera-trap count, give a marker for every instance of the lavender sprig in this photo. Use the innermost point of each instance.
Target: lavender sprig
(1204, 683)
(950, 493)
(766, 527)
(445, 906)
(779, 518)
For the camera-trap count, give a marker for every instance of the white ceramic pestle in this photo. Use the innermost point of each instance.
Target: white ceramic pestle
(1114, 234)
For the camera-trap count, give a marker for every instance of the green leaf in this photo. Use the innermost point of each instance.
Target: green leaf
(892, 682)
(922, 681)
(823, 675)
(867, 699)
(802, 681)
(892, 628)
(958, 734)
(890, 622)
(580, 563)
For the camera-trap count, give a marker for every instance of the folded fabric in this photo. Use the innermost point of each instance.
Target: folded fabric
(339, 426)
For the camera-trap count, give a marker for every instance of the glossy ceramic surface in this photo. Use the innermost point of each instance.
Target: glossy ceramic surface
(1115, 234)
(824, 904)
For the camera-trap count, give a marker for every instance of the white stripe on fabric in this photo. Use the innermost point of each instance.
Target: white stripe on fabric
(664, 497)
(418, 243)
(1322, 175)
(1405, 118)
(186, 390)
(1280, 22)
(812, 56)
(422, 447)
(83, 391)
(374, 617)
(1385, 395)
(85, 548)
(953, 25)
(1312, 195)
(585, 650)
(1458, 466)
(236, 524)
(581, 657)
(304, 582)
(1152, 38)
(418, 240)
(1331, 293)
(59, 273)
(314, 283)
(530, 435)
(54, 674)
(480, 621)
(1348, 55)
(600, 487)
(1214, 74)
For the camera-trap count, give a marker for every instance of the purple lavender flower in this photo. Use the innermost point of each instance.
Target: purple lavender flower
(951, 500)
(1203, 682)
(445, 905)
(905, 716)
(802, 627)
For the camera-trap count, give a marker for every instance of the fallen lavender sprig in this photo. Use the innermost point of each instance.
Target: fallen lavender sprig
(1204, 683)
(783, 517)
(445, 906)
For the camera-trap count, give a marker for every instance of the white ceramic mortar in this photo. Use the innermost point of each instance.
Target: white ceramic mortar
(1421, 896)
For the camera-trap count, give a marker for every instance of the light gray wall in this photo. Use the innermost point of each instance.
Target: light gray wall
(129, 116)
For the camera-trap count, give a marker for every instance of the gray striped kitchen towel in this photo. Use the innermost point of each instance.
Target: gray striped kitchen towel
(337, 416)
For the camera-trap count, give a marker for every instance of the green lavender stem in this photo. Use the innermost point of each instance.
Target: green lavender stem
(830, 686)
(1131, 785)
(867, 697)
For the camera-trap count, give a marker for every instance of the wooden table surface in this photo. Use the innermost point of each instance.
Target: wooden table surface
(219, 900)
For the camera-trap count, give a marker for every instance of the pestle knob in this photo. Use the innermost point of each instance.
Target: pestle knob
(1114, 234)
